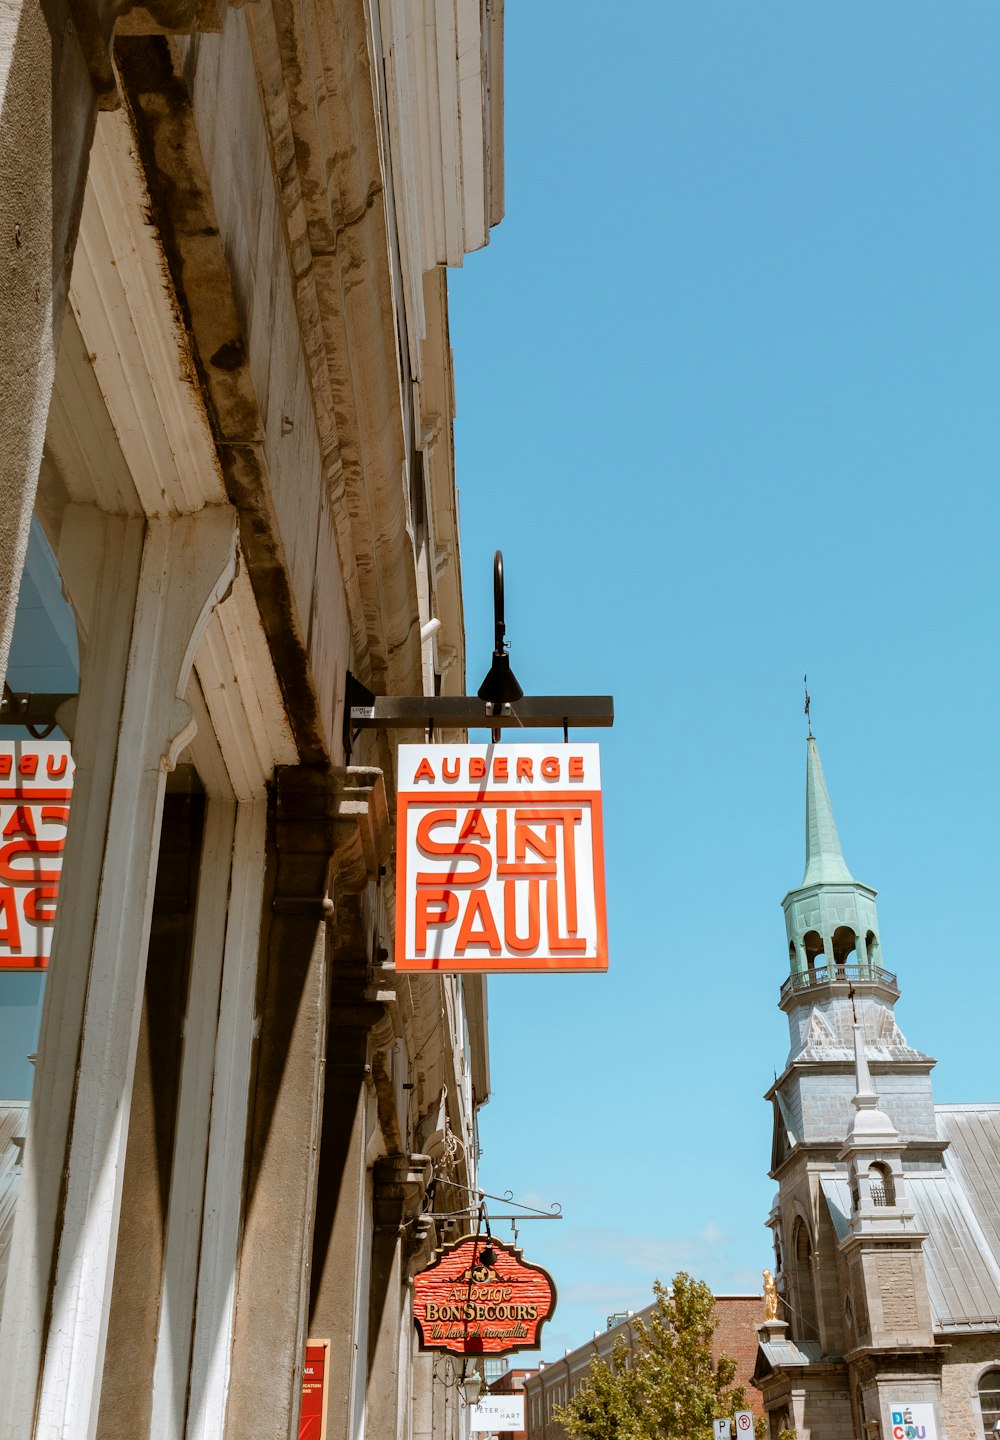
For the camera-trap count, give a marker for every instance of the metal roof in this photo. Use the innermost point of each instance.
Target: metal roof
(13, 1120)
(974, 1155)
(782, 1353)
(958, 1208)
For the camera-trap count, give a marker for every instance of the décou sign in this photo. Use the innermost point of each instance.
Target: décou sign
(913, 1422)
(500, 858)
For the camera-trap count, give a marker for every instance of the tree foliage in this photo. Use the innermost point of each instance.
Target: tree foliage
(669, 1387)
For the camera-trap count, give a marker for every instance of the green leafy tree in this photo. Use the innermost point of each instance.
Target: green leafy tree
(669, 1387)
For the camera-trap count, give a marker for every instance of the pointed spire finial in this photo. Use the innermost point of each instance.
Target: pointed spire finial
(809, 723)
(825, 863)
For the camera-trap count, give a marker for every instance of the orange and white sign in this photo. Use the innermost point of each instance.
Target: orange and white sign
(36, 785)
(500, 858)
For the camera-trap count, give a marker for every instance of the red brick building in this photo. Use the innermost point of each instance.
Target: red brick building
(511, 1382)
(736, 1336)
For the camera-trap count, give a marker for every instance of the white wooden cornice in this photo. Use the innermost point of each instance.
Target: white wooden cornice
(127, 391)
(127, 314)
(445, 83)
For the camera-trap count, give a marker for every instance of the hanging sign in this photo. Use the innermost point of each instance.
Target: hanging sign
(500, 858)
(312, 1417)
(462, 1305)
(36, 785)
(497, 1413)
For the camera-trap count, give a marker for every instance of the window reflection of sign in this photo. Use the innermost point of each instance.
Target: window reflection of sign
(498, 1413)
(312, 1419)
(500, 859)
(36, 785)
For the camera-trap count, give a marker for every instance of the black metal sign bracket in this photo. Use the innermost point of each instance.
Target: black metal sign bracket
(500, 704)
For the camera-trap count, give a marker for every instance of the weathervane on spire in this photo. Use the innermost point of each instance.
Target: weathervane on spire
(805, 681)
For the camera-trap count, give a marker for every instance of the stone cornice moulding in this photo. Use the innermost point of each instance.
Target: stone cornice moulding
(401, 1183)
(314, 69)
(332, 821)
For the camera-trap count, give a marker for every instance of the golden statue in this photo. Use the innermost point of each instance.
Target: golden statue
(770, 1297)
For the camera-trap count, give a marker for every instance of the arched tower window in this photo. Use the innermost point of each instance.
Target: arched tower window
(871, 949)
(989, 1401)
(845, 943)
(812, 943)
(880, 1185)
(805, 1320)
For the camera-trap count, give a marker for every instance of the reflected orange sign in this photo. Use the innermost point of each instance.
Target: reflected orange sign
(500, 858)
(36, 786)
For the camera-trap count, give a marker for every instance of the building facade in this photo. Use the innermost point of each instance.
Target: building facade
(228, 479)
(736, 1317)
(511, 1381)
(887, 1219)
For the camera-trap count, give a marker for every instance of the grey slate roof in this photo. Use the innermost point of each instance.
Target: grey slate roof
(974, 1155)
(13, 1120)
(959, 1207)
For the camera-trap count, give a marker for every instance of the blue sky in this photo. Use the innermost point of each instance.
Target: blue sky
(727, 381)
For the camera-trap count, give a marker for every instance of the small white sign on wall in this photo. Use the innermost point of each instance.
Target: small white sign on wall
(911, 1422)
(498, 1413)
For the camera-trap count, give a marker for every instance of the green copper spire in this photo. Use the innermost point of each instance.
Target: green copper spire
(825, 864)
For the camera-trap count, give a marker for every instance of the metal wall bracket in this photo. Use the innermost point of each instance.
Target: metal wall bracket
(500, 704)
(365, 711)
(36, 712)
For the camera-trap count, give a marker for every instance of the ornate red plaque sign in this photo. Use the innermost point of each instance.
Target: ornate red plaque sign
(470, 1307)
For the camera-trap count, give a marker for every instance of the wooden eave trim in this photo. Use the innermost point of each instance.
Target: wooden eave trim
(495, 75)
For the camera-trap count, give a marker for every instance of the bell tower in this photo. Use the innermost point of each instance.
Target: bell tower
(840, 1001)
(838, 977)
(831, 919)
(859, 1160)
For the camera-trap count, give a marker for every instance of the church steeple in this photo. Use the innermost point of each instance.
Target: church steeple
(832, 921)
(825, 864)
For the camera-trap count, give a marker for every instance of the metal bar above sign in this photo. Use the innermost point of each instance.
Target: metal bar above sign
(460, 712)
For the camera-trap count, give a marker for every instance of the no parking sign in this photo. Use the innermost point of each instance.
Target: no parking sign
(744, 1424)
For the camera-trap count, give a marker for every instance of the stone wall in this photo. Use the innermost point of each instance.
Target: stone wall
(960, 1414)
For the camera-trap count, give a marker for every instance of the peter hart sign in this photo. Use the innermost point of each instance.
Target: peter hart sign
(500, 858)
(497, 1412)
(462, 1305)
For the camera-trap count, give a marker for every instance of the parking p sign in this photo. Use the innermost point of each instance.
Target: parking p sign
(720, 1428)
